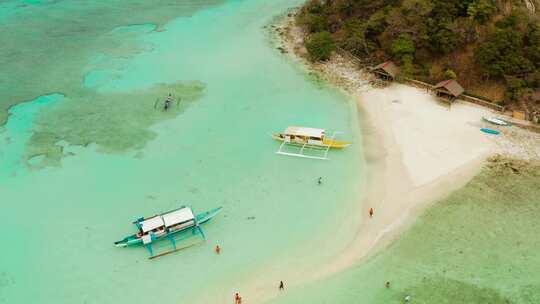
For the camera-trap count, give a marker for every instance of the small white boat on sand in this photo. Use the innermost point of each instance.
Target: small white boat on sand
(496, 121)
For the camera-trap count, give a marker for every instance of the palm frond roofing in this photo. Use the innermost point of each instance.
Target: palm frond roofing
(452, 86)
(389, 67)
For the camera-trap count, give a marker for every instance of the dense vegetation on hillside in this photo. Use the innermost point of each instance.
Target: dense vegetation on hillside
(492, 47)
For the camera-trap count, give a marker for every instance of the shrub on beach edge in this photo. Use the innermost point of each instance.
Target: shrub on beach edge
(320, 46)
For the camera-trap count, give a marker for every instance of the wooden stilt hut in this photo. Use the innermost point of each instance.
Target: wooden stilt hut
(384, 73)
(448, 90)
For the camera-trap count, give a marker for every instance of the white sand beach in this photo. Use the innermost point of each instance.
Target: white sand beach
(417, 149)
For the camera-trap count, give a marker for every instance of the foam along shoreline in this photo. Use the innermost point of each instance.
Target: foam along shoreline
(417, 150)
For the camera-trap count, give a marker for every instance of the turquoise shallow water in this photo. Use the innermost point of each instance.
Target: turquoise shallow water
(212, 150)
(17, 132)
(45, 43)
(479, 245)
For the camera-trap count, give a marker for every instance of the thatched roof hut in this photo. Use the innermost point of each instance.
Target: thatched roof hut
(448, 89)
(386, 71)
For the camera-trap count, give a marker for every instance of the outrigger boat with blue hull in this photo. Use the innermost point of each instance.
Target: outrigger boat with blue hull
(166, 226)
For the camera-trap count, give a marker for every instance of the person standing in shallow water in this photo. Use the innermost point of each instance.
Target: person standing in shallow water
(168, 102)
(218, 249)
(281, 285)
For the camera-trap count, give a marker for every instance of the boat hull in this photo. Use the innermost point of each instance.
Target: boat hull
(335, 144)
(496, 121)
(201, 218)
(490, 131)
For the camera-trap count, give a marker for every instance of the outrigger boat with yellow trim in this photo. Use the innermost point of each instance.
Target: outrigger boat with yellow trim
(308, 139)
(166, 226)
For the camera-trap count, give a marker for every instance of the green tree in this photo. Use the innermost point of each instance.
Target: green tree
(320, 46)
(376, 23)
(510, 21)
(502, 54)
(444, 36)
(463, 7)
(534, 79)
(532, 44)
(450, 74)
(407, 67)
(402, 46)
(354, 39)
(516, 88)
(316, 23)
(314, 7)
(445, 10)
(356, 44)
(482, 10)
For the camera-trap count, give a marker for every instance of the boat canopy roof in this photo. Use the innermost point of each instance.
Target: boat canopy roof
(302, 131)
(152, 223)
(178, 216)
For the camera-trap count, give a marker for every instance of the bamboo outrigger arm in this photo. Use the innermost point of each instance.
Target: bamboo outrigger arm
(169, 225)
(308, 139)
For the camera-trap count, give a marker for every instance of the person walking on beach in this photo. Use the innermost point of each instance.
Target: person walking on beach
(281, 285)
(370, 212)
(218, 249)
(237, 298)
